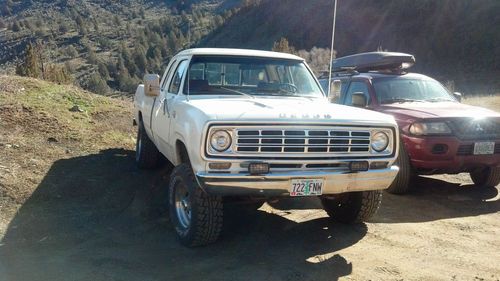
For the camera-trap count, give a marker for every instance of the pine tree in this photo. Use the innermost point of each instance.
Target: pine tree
(96, 84)
(31, 65)
(16, 27)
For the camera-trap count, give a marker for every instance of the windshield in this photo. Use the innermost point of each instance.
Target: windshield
(249, 76)
(410, 90)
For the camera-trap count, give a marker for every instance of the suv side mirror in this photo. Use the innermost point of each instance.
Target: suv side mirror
(151, 85)
(334, 90)
(359, 99)
(458, 96)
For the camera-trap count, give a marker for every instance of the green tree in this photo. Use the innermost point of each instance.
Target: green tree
(30, 66)
(96, 84)
(103, 70)
(71, 52)
(16, 27)
(92, 56)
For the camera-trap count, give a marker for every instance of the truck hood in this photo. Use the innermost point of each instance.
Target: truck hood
(288, 109)
(428, 110)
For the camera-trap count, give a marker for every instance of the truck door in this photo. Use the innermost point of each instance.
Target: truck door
(163, 107)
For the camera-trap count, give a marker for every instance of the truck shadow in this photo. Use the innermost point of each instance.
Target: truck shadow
(97, 217)
(431, 199)
(434, 199)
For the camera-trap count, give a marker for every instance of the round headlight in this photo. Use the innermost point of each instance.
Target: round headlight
(379, 141)
(220, 140)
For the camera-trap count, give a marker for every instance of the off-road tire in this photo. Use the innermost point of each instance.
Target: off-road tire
(206, 210)
(487, 177)
(401, 183)
(353, 207)
(147, 155)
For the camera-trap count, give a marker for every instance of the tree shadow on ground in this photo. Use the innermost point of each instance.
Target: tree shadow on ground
(97, 217)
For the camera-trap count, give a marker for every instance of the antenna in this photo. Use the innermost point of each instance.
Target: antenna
(331, 47)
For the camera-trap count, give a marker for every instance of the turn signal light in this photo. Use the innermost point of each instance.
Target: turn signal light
(359, 166)
(378, 165)
(258, 168)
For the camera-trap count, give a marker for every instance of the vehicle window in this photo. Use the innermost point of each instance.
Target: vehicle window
(408, 90)
(356, 87)
(164, 84)
(177, 79)
(233, 75)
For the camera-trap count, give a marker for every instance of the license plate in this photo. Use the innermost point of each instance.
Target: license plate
(306, 187)
(484, 148)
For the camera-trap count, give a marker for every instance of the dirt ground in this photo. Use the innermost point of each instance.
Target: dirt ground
(97, 217)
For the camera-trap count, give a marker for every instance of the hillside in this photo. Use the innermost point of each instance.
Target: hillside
(105, 46)
(452, 40)
(41, 123)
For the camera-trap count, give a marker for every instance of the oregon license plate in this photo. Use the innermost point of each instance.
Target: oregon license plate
(306, 187)
(481, 148)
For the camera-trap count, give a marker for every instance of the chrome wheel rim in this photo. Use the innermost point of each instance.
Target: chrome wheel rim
(182, 205)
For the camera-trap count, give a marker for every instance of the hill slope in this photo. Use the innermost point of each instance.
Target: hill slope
(38, 128)
(452, 40)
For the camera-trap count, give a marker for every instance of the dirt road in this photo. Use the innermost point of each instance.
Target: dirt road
(99, 218)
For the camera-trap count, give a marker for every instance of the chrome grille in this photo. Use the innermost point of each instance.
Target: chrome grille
(292, 141)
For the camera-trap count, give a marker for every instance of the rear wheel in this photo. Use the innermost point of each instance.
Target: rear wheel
(352, 207)
(146, 154)
(196, 215)
(489, 176)
(401, 183)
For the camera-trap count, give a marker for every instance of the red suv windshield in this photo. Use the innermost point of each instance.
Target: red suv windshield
(409, 90)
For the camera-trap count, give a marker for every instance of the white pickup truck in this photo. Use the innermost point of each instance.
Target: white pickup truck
(256, 125)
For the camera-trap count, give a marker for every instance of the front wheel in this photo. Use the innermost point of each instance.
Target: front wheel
(196, 215)
(489, 176)
(401, 183)
(352, 207)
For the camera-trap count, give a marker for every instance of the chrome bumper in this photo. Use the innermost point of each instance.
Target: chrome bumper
(278, 184)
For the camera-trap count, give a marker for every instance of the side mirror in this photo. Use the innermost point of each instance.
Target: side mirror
(151, 85)
(458, 96)
(359, 99)
(334, 90)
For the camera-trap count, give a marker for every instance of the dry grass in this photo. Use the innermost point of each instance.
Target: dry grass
(491, 102)
(37, 128)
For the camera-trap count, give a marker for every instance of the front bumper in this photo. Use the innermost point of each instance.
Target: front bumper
(278, 183)
(452, 160)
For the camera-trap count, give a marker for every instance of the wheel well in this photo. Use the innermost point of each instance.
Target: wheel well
(182, 154)
(140, 117)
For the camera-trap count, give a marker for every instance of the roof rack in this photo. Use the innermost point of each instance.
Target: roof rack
(384, 62)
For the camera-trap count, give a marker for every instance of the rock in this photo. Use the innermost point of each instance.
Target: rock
(76, 108)
(15, 146)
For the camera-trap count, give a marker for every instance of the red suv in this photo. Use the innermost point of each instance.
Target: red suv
(439, 134)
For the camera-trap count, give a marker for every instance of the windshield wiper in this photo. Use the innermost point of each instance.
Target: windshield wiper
(238, 92)
(399, 100)
(438, 99)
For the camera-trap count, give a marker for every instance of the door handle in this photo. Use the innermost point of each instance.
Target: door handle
(166, 110)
